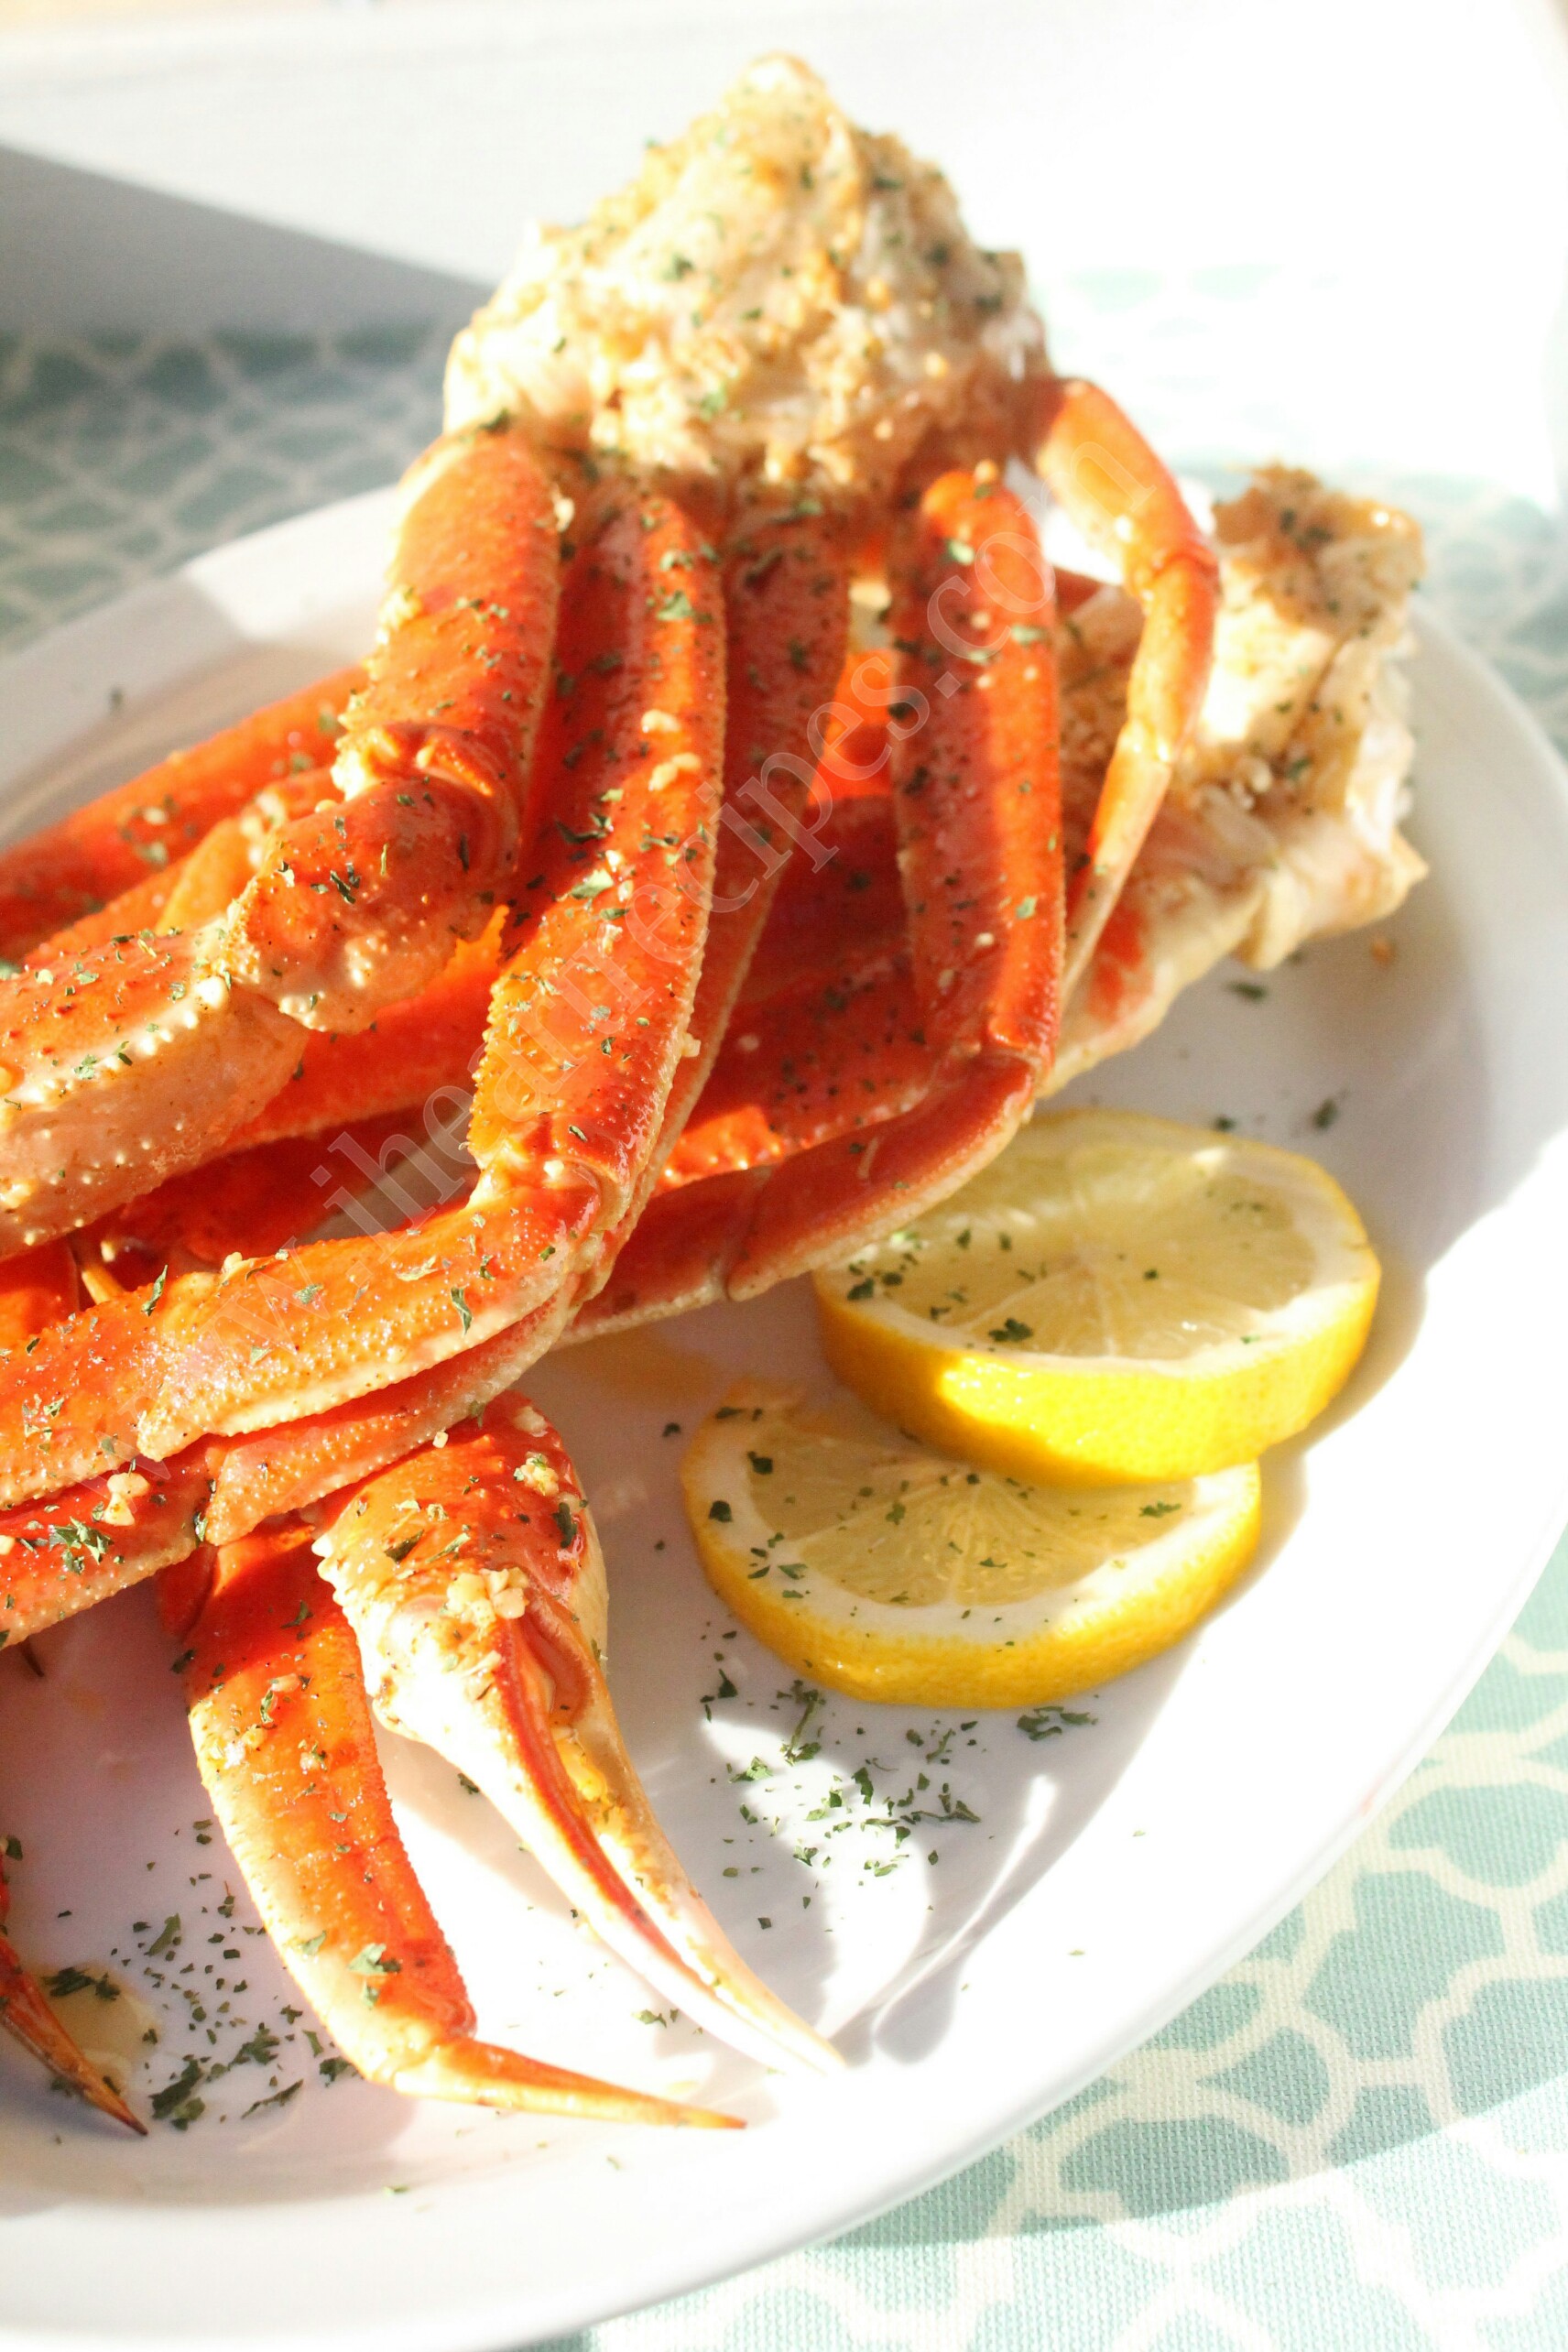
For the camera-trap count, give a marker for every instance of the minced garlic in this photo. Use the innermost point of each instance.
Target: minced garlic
(778, 292)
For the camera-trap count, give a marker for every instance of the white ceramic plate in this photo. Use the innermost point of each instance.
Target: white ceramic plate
(1113, 1869)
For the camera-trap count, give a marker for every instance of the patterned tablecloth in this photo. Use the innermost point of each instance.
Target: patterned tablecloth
(1359, 2138)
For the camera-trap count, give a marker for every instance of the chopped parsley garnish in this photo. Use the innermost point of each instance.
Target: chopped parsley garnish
(1049, 1722)
(371, 1960)
(167, 2103)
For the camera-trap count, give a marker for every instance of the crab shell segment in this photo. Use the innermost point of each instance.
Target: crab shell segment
(474, 1579)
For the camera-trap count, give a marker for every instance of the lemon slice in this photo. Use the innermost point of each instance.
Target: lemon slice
(1115, 1298)
(867, 1561)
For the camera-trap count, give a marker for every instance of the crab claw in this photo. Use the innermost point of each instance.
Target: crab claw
(287, 1749)
(472, 1575)
(28, 2019)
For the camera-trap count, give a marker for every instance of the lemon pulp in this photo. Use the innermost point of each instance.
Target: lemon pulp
(866, 1560)
(1115, 1298)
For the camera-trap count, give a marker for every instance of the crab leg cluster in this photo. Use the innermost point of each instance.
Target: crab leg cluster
(927, 1015)
(723, 943)
(735, 829)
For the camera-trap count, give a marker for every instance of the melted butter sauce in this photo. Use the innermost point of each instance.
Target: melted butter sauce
(108, 2020)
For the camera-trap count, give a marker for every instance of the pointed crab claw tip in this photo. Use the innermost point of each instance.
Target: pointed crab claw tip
(669, 1935)
(99, 2093)
(819, 2055)
(607, 1852)
(27, 2017)
(107, 2100)
(719, 1992)
(645, 1907)
(481, 2073)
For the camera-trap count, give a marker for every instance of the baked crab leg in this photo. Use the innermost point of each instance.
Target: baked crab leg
(472, 1577)
(1126, 504)
(35, 1290)
(120, 1073)
(134, 838)
(287, 1751)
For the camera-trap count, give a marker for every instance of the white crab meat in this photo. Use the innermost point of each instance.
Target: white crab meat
(1283, 822)
(778, 292)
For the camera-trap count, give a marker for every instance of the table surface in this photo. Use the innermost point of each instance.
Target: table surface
(1359, 2137)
